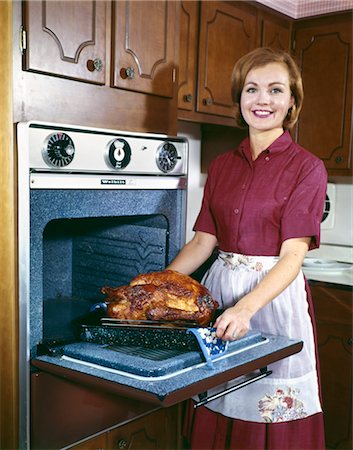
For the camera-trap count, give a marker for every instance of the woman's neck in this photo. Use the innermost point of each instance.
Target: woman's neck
(261, 140)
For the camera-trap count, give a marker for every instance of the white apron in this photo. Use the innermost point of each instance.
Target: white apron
(291, 392)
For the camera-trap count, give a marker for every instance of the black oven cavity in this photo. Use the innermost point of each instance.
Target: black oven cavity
(86, 239)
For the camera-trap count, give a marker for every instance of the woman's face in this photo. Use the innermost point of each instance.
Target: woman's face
(266, 97)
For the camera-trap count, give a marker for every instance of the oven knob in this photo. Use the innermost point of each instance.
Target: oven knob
(118, 154)
(58, 150)
(167, 157)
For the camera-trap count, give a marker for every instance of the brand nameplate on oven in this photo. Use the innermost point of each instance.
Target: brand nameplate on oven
(110, 181)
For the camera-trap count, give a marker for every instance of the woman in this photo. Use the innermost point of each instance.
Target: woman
(262, 207)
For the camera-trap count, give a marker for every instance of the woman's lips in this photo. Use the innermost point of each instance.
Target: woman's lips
(262, 114)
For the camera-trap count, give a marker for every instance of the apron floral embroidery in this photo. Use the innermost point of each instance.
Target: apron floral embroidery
(284, 405)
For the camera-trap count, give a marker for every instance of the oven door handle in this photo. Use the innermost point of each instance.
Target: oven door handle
(204, 399)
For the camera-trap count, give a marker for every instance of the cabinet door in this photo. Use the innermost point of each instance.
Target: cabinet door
(227, 32)
(333, 309)
(275, 32)
(156, 431)
(189, 22)
(323, 49)
(144, 42)
(66, 38)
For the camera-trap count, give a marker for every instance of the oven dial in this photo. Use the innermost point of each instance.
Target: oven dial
(167, 157)
(58, 150)
(118, 154)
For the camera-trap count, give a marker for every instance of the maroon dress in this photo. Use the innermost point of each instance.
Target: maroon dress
(252, 207)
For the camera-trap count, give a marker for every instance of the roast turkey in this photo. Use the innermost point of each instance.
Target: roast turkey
(161, 296)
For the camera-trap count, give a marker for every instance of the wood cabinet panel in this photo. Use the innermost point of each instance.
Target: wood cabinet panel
(333, 309)
(220, 24)
(275, 32)
(155, 431)
(323, 49)
(145, 46)
(66, 38)
(189, 26)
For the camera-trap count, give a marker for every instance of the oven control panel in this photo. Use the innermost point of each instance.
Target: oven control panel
(66, 148)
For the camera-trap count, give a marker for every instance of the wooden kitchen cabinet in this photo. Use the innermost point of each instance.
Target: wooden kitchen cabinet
(145, 54)
(275, 31)
(155, 431)
(227, 31)
(189, 32)
(215, 34)
(158, 430)
(90, 418)
(323, 50)
(333, 311)
(66, 39)
(108, 64)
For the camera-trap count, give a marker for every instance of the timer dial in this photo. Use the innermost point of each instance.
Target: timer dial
(58, 150)
(166, 157)
(118, 154)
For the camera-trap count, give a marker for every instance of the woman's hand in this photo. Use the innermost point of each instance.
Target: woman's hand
(234, 323)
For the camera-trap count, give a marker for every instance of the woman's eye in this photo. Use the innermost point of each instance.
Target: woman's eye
(251, 90)
(276, 90)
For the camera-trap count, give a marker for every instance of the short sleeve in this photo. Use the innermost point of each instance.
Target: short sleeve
(303, 213)
(205, 221)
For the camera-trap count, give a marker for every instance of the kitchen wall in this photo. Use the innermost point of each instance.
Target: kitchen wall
(192, 131)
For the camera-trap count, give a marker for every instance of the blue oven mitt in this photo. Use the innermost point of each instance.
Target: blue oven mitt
(211, 346)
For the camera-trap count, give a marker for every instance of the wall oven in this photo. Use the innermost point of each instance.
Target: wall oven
(96, 208)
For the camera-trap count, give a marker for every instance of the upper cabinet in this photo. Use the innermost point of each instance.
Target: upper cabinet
(323, 50)
(275, 31)
(99, 63)
(66, 39)
(189, 35)
(144, 52)
(227, 32)
(213, 35)
(216, 34)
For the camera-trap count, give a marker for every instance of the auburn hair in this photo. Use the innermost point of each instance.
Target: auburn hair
(258, 58)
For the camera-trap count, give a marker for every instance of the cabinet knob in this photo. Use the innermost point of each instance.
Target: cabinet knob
(121, 444)
(207, 101)
(127, 72)
(338, 159)
(96, 64)
(188, 98)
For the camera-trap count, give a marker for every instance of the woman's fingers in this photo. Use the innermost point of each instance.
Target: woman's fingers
(231, 326)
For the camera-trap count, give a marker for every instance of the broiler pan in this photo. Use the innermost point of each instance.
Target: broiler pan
(149, 334)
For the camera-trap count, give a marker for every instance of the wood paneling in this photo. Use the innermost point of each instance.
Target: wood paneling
(8, 289)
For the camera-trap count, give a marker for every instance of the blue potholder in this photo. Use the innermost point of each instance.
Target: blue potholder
(210, 344)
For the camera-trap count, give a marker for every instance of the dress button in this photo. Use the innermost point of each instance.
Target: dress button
(267, 158)
(236, 211)
(243, 186)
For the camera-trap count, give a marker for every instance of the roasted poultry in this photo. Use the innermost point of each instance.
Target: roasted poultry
(167, 295)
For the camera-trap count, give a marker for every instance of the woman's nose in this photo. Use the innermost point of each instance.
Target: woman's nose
(263, 97)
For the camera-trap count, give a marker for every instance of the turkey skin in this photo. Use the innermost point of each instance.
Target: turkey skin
(161, 296)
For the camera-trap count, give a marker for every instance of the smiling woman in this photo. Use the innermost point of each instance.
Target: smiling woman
(262, 207)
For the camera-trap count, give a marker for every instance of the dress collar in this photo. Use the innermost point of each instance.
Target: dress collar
(279, 145)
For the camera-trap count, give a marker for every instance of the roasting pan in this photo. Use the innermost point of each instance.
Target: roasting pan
(141, 333)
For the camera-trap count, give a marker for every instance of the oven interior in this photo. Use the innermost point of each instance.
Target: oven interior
(81, 256)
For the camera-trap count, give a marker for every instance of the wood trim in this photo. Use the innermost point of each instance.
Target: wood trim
(8, 263)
